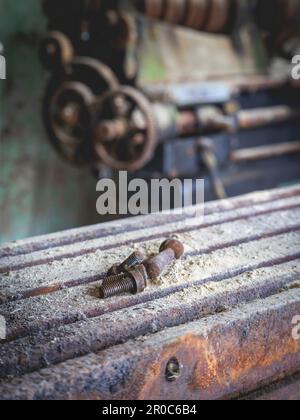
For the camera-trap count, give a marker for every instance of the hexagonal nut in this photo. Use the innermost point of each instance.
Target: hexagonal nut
(140, 278)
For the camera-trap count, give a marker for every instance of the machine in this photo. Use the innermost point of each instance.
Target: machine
(176, 89)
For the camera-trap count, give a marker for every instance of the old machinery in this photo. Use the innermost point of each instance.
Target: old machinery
(175, 88)
(203, 15)
(68, 102)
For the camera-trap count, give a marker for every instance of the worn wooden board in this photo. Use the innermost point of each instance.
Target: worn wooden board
(224, 311)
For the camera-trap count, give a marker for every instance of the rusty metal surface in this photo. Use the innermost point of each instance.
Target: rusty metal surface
(230, 329)
(286, 390)
(221, 357)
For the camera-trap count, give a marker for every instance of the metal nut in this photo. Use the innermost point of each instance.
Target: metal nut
(133, 281)
(136, 258)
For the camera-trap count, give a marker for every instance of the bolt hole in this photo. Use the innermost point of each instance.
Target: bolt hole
(173, 370)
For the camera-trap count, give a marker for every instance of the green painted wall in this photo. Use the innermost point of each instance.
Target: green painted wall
(38, 192)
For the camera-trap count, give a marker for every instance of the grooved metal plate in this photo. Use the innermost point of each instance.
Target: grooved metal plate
(224, 311)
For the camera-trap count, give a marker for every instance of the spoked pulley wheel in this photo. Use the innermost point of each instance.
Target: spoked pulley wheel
(69, 122)
(68, 105)
(124, 129)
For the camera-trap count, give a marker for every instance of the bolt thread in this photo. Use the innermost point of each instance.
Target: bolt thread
(134, 259)
(115, 286)
(113, 278)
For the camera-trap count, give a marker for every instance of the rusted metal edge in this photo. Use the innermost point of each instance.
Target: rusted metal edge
(220, 357)
(66, 342)
(74, 236)
(86, 251)
(287, 389)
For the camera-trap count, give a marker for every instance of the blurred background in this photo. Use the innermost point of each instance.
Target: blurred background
(240, 131)
(39, 193)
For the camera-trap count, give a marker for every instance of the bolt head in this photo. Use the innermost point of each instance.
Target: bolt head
(175, 245)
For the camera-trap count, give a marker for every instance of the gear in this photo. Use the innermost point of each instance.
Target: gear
(99, 77)
(68, 105)
(69, 121)
(56, 50)
(175, 10)
(125, 131)
(218, 16)
(153, 8)
(205, 15)
(196, 13)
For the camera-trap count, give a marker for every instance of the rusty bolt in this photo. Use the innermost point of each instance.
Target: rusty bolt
(169, 251)
(133, 281)
(136, 258)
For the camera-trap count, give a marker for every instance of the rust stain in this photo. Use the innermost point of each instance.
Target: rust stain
(214, 366)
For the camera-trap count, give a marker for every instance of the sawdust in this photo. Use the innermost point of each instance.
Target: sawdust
(97, 262)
